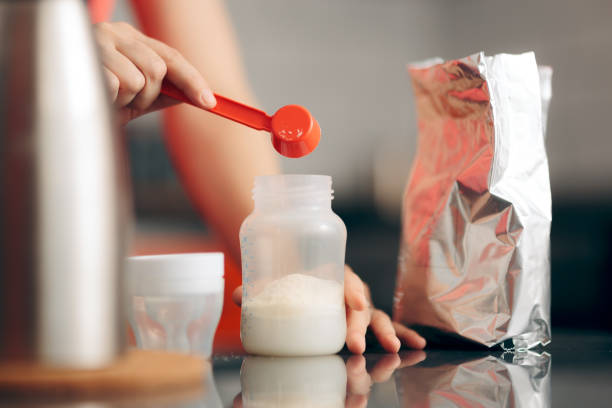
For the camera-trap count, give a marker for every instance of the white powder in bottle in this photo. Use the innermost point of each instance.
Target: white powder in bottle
(297, 315)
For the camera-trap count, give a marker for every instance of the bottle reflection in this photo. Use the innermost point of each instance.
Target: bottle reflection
(293, 382)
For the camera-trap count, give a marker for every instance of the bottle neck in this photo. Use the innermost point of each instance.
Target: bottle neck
(319, 201)
(284, 192)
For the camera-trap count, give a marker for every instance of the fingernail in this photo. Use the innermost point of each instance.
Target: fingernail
(423, 342)
(357, 344)
(397, 344)
(362, 345)
(208, 99)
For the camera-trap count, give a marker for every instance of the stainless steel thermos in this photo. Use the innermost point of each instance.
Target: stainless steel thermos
(63, 195)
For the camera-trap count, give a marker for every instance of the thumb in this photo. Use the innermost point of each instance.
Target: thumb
(127, 113)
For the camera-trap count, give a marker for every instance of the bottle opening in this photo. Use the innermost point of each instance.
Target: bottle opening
(293, 189)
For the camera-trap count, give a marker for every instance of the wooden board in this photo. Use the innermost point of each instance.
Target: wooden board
(139, 371)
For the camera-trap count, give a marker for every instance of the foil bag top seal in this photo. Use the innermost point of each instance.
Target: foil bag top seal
(474, 256)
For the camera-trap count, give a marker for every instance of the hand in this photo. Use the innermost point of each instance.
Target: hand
(360, 314)
(135, 66)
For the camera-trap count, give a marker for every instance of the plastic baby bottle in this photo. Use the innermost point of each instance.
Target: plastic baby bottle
(175, 301)
(293, 248)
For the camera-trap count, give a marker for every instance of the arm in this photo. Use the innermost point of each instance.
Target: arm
(216, 158)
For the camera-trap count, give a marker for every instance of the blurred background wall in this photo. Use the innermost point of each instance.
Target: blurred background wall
(345, 60)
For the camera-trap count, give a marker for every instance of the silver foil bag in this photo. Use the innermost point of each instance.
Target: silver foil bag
(474, 255)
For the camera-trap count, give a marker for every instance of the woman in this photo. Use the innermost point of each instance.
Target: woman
(191, 44)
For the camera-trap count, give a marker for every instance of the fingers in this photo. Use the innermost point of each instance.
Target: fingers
(136, 65)
(390, 335)
(359, 316)
(412, 357)
(112, 82)
(128, 113)
(409, 337)
(354, 290)
(385, 332)
(356, 401)
(357, 324)
(358, 379)
(131, 80)
(237, 295)
(358, 312)
(182, 74)
(384, 368)
(152, 67)
(161, 102)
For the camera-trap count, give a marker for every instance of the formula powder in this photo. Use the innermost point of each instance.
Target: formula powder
(295, 315)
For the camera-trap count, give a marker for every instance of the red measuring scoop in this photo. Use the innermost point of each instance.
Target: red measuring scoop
(295, 133)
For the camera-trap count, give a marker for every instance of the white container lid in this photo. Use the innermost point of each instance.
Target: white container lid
(175, 274)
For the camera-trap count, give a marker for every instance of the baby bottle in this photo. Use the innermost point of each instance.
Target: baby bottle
(175, 301)
(293, 248)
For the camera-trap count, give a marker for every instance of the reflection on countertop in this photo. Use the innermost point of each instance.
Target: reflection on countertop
(414, 380)
(431, 378)
(507, 380)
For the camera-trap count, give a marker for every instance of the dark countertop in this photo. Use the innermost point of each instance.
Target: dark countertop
(575, 370)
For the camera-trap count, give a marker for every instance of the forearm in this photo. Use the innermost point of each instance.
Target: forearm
(217, 165)
(216, 159)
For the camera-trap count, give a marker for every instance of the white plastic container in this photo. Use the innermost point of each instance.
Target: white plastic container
(175, 301)
(293, 249)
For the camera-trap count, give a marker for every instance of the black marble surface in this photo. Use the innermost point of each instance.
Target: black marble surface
(575, 370)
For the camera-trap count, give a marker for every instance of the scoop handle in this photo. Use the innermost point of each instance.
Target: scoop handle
(226, 107)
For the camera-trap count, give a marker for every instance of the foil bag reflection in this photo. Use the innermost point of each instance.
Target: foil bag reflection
(474, 255)
(520, 380)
